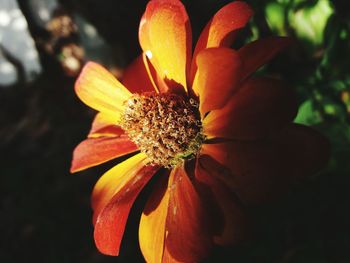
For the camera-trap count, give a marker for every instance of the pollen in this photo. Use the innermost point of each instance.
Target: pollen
(166, 127)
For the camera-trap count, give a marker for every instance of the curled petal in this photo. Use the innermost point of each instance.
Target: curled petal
(166, 38)
(94, 151)
(152, 224)
(259, 52)
(259, 108)
(217, 77)
(222, 28)
(263, 170)
(100, 90)
(113, 197)
(188, 238)
(137, 77)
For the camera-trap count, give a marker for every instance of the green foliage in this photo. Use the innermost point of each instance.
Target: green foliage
(318, 65)
(307, 114)
(306, 18)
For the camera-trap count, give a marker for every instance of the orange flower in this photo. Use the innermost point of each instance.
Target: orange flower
(217, 137)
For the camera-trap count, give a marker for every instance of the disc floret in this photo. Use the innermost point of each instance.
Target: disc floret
(166, 127)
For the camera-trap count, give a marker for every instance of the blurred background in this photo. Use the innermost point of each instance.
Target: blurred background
(45, 213)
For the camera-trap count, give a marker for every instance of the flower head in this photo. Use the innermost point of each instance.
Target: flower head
(218, 137)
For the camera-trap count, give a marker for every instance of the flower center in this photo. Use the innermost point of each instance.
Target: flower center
(166, 127)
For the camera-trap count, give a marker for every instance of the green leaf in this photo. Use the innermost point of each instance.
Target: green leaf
(307, 114)
(275, 16)
(309, 23)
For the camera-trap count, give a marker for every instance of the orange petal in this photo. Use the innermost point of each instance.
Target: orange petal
(113, 180)
(259, 169)
(94, 151)
(158, 82)
(100, 90)
(217, 77)
(263, 170)
(168, 258)
(113, 197)
(137, 77)
(236, 225)
(166, 38)
(259, 52)
(187, 237)
(104, 126)
(222, 28)
(152, 224)
(260, 107)
(208, 163)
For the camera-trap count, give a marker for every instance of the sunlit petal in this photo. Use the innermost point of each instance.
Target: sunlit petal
(114, 180)
(152, 225)
(100, 90)
(113, 197)
(222, 28)
(218, 76)
(104, 125)
(94, 151)
(166, 38)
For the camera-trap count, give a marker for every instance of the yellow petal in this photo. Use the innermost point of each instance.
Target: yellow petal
(152, 224)
(104, 125)
(165, 37)
(100, 90)
(113, 180)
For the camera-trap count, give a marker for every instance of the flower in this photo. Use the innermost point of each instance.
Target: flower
(217, 137)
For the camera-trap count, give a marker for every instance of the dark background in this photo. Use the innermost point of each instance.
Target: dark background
(45, 213)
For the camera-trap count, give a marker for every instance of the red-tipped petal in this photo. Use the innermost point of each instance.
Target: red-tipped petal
(188, 239)
(259, 108)
(235, 225)
(137, 77)
(100, 90)
(259, 52)
(222, 28)
(217, 77)
(112, 213)
(94, 151)
(166, 38)
(152, 225)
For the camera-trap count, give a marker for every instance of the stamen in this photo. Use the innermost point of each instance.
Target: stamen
(166, 127)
